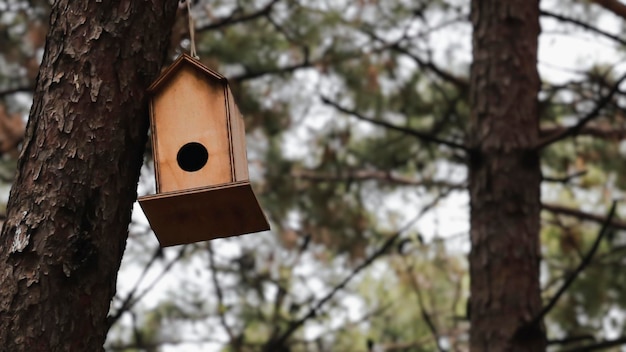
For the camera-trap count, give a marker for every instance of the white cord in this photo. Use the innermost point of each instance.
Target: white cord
(192, 32)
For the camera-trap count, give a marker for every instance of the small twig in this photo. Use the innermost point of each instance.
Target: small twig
(581, 266)
(133, 298)
(423, 136)
(158, 253)
(583, 25)
(220, 296)
(572, 131)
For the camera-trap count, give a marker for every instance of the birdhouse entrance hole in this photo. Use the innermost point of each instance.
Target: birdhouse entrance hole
(192, 157)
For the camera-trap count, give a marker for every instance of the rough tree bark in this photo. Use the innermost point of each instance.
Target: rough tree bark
(505, 176)
(70, 205)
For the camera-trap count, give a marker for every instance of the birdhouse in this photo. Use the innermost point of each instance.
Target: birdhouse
(198, 141)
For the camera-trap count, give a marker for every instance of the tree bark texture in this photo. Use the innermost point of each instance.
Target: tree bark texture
(70, 205)
(504, 177)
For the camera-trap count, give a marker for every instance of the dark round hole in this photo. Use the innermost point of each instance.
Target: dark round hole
(192, 156)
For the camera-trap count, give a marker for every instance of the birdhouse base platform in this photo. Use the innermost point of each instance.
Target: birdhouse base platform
(204, 213)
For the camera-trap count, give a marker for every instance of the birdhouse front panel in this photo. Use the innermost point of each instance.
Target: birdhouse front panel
(191, 132)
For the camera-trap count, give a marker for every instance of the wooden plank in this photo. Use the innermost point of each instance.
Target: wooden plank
(204, 213)
(191, 107)
(238, 139)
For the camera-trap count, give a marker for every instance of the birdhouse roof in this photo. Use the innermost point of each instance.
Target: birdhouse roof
(177, 65)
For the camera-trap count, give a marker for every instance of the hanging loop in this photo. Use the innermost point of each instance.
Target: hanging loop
(192, 31)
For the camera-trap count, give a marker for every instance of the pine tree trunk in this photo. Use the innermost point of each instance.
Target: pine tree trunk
(505, 177)
(70, 205)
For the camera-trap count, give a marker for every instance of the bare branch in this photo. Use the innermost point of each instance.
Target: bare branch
(583, 25)
(574, 130)
(423, 136)
(615, 6)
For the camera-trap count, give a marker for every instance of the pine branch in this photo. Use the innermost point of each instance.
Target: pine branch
(460, 83)
(583, 25)
(574, 130)
(314, 310)
(581, 215)
(584, 263)
(423, 136)
(384, 248)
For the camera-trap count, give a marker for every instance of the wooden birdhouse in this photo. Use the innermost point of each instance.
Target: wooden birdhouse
(198, 140)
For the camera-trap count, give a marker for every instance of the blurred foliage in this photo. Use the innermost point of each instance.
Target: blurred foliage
(350, 264)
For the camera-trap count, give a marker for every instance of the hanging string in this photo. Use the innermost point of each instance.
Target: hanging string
(192, 31)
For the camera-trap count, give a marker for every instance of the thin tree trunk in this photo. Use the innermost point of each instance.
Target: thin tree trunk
(70, 205)
(505, 177)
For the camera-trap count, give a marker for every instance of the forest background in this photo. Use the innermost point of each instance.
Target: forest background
(355, 111)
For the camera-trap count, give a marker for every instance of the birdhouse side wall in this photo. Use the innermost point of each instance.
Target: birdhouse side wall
(238, 139)
(191, 109)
